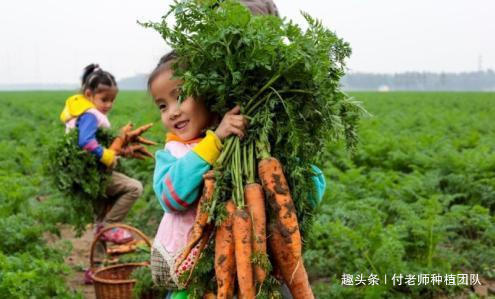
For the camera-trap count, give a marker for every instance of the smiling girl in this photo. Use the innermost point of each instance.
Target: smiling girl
(190, 151)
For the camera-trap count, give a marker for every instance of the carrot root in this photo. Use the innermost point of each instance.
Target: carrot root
(255, 201)
(292, 269)
(225, 268)
(202, 243)
(280, 201)
(243, 251)
(201, 216)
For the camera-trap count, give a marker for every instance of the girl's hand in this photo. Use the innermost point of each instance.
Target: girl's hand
(232, 123)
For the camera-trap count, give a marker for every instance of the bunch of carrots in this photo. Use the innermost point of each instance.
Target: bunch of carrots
(246, 235)
(286, 81)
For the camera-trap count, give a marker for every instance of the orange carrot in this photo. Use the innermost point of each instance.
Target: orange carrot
(224, 255)
(255, 201)
(280, 201)
(201, 216)
(292, 270)
(276, 272)
(133, 136)
(242, 230)
(205, 236)
(285, 239)
(209, 295)
(127, 136)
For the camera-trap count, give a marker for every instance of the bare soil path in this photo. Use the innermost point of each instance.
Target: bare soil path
(78, 260)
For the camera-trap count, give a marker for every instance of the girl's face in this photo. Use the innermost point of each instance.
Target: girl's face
(186, 120)
(102, 97)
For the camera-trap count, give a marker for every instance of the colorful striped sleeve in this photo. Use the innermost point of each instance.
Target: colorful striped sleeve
(177, 182)
(87, 124)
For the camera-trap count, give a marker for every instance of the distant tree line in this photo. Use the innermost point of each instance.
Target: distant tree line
(468, 81)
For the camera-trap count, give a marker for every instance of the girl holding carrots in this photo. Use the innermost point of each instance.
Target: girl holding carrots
(181, 171)
(87, 112)
(182, 168)
(190, 151)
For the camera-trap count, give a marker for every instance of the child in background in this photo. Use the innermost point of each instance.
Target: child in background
(261, 7)
(87, 112)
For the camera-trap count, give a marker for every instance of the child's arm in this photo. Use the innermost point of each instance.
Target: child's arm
(177, 181)
(87, 124)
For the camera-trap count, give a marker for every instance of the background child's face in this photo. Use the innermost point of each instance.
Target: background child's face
(103, 97)
(187, 120)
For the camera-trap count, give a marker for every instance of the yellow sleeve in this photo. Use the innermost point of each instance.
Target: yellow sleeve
(108, 157)
(209, 148)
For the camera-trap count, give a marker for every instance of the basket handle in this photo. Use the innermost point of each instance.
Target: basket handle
(109, 227)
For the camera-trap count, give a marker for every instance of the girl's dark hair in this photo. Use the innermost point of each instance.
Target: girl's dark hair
(164, 63)
(93, 76)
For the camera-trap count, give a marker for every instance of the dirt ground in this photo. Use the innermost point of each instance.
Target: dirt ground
(78, 260)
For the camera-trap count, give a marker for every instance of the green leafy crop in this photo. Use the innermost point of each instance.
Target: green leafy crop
(285, 79)
(79, 176)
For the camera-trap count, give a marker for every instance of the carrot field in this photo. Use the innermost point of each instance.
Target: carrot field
(409, 215)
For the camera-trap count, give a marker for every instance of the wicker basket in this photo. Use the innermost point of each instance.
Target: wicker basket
(133, 230)
(113, 282)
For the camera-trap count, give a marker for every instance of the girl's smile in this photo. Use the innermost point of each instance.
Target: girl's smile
(189, 119)
(181, 125)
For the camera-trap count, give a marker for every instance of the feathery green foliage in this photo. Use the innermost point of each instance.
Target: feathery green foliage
(79, 176)
(284, 78)
(418, 151)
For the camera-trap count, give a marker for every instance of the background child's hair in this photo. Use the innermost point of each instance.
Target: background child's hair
(261, 7)
(93, 76)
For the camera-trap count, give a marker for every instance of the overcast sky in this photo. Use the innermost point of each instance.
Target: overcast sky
(50, 41)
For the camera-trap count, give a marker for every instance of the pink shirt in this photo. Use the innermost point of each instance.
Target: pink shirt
(102, 119)
(175, 227)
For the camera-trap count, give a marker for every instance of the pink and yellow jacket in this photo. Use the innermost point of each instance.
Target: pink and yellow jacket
(177, 183)
(81, 114)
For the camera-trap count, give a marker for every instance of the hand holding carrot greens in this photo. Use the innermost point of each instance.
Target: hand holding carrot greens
(232, 124)
(286, 82)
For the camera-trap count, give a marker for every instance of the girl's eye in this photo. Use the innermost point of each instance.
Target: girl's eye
(162, 106)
